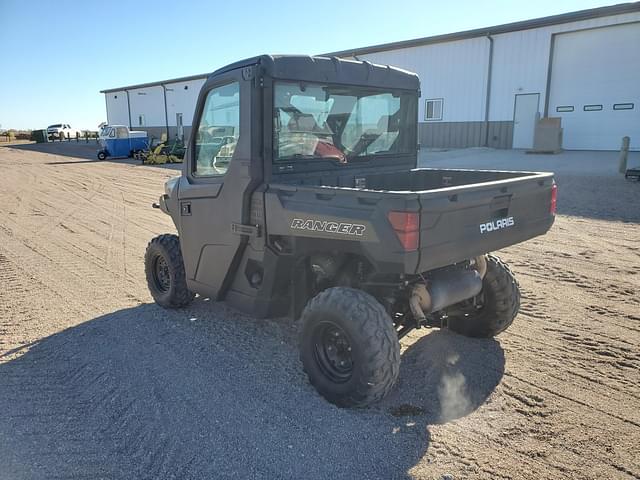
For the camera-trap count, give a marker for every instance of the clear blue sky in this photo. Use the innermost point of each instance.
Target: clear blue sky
(57, 55)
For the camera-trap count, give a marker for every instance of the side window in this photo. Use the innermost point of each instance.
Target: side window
(122, 132)
(218, 131)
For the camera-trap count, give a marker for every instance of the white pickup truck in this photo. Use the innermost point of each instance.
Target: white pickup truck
(64, 129)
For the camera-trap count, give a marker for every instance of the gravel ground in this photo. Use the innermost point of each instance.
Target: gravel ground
(98, 382)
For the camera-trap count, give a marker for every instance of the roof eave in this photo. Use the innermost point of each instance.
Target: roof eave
(157, 84)
(607, 11)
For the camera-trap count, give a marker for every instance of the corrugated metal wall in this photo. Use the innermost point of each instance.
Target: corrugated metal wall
(455, 71)
(182, 100)
(521, 62)
(117, 110)
(500, 134)
(465, 134)
(148, 102)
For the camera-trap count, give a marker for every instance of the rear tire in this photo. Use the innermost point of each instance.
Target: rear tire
(349, 347)
(501, 304)
(164, 269)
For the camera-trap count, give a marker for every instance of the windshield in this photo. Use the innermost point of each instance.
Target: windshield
(342, 123)
(57, 125)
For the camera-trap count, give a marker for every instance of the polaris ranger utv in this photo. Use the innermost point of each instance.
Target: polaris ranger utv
(300, 196)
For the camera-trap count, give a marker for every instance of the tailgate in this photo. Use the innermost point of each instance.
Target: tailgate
(462, 222)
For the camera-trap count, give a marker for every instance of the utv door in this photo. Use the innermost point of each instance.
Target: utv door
(215, 187)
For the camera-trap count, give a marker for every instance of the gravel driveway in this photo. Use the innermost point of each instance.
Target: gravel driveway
(98, 382)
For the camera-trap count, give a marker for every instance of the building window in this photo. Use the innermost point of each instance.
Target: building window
(433, 109)
(623, 106)
(564, 108)
(592, 108)
(141, 120)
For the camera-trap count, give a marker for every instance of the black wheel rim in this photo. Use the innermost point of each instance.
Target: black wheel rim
(332, 348)
(161, 274)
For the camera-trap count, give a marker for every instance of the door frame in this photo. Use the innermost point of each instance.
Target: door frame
(515, 103)
(245, 166)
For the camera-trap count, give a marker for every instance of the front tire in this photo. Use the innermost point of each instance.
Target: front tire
(499, 305)
(102, 155)
(349, 347)
(164, 269)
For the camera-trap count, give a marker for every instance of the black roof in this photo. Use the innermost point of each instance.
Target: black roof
(495, 30)
(329, 69)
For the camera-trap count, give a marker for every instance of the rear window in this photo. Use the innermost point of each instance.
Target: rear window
(342, 123)
(57, 125)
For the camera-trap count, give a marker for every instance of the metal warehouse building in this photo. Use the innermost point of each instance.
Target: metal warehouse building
(483, 87)
(157, 107)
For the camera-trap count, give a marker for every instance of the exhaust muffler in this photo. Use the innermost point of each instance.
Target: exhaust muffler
(446, 288)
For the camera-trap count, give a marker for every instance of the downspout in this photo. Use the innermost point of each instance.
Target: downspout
(547, 90)
(166, 114)
(128, 107)
(487, 101)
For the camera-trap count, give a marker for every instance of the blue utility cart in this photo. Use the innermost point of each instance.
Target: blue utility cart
(117, 141)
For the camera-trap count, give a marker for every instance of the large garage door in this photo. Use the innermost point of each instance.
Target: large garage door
(595, 87)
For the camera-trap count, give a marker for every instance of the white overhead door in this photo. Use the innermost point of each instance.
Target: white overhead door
(595, 87)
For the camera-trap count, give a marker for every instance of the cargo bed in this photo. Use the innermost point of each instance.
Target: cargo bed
(462, 213)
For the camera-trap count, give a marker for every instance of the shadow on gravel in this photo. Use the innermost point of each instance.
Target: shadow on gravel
(83, 152)
(208, 393)
(445, 376)
(128, 161)
(68, 149)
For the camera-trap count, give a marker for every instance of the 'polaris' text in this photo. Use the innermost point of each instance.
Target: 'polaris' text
(497, 224)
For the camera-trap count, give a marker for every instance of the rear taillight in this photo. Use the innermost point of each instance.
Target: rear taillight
(407, 228)
(554, 199)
